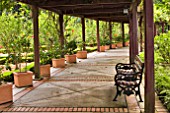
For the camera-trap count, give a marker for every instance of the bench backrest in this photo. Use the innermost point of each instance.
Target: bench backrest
(139, 65)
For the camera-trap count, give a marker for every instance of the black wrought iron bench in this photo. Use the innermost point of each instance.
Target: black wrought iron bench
(129, 78)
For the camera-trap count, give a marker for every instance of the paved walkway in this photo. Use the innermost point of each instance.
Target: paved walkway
(87, 86)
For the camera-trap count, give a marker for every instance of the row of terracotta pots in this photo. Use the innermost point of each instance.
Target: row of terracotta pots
(113, 46)
(60, 63)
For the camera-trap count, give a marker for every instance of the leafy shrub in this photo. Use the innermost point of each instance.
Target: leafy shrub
(162, 46)
(162, 80)
(70, 47)
(45, 57)
(157, 58)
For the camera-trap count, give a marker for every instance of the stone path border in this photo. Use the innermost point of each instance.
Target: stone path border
(64, 109)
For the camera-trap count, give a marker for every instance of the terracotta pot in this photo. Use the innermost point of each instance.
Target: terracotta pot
(70, 58)
(81, 54)
(126, 43)
(45, 70)
(119, 44)
(6, 93)
(22, 79)
(102, 48)
(113, 46)
(58, 63)
(107, 47)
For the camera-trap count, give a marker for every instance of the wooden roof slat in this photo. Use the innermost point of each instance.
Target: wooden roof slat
(112, 10)
(70, 2)
(90, 12)
(89, 5)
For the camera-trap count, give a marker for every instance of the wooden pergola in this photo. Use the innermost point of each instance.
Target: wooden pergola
(123, 11)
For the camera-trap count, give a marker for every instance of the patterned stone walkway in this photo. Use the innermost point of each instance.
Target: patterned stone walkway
(91, 72)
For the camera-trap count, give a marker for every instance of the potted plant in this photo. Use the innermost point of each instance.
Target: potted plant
(70, 57)
(22, 77)
(45, 61)
(82, 54)
(57, 59)
(113, 45)
(5, 89)
(107, 46)
(102, 45)
(119, 41)
(127, 40)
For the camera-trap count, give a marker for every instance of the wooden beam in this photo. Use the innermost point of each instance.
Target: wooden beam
(110, 33)
(141, 35)
(134, 3)
(149, 58)
(131, 38)
(163, 27)
(91, 6)
(94, 11)
(54, 3)
(113, 16)
(168, 27)
(98, 36)
(36, 42)
(113, 20)
(134, 33)
(61, 36)
(83, 33)
(73, 3)
(123, 34)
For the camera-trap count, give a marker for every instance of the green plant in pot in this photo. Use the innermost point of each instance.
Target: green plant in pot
(17, 42)
(107, 46)
(57, 59)
(22, 77)
(70, 47)
(102, 45)
(113, 45)
(82, 54)
(45, 61)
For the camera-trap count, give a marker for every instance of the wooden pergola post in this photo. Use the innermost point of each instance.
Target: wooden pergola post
(141, 36)
(163, 27)
(83, 33)
(36, 42)
(134, 35)
(168, 27)
(131, 35)
(110, 33)
(61, 36)
(123, 34)
(149, 58)
(135, 31)
(98, 37)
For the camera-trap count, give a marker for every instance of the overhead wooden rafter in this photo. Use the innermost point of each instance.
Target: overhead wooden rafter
(106, 10)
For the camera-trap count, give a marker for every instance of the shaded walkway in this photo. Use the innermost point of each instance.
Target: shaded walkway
(87, 86)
